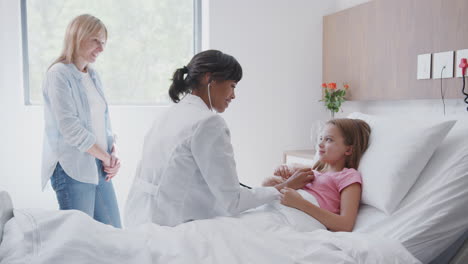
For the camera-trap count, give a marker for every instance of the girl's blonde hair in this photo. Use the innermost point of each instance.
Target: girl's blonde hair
(79, 29)
(356, 134)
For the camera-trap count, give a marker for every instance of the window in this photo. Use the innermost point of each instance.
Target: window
(147, 41)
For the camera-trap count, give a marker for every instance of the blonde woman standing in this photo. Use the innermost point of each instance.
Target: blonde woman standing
(78, 151)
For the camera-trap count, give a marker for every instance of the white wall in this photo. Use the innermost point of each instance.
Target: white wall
(344, 4)
(21, 131)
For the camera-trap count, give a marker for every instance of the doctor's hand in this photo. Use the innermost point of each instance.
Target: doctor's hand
(300, 178)
(272, 181)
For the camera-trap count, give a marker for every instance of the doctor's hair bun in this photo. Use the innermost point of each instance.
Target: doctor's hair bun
(222, 67)
(178, 86)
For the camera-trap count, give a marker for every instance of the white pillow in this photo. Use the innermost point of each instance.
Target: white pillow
(6, 210)
(436, 204)
(398, 151)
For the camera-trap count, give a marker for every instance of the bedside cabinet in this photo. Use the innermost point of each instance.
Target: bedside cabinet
(300, 156)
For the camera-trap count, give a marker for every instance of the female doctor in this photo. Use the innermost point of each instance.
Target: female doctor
(187, 171)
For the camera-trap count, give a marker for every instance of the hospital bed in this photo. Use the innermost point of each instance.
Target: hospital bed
(429, 225)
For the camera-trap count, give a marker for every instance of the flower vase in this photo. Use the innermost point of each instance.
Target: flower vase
(332, 114)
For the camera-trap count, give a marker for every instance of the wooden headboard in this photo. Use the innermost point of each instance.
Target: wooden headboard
(374, 47)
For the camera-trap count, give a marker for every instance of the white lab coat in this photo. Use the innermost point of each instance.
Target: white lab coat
(188, 171)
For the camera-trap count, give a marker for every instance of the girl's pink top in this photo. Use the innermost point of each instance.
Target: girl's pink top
(327, 187)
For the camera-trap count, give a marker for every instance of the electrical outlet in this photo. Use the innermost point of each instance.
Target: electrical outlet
(424, 66)
(460, 54)
(441, 60)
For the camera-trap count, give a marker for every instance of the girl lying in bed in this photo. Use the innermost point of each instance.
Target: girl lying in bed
(332, 199)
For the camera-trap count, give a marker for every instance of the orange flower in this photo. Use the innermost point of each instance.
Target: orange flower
(331, 86)
(324, 85)
(346, 86)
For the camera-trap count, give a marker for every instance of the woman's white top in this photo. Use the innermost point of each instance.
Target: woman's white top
(188, 171)
(97, 108)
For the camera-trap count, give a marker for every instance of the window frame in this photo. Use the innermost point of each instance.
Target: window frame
(197, 46)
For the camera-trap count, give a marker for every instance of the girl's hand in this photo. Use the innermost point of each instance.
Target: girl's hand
(283, 171)
(291, 198)
(272, 181)
(300, 178)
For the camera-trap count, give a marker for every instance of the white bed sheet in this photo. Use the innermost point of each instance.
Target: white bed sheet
(73, 237)
(15, 249)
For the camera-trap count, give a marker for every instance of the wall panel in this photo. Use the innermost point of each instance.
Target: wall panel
(374, 47)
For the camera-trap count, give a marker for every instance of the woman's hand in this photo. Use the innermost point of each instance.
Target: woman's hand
(291, 198)
(113, 169)
(272, 181)
(106, 161)
(114, 165)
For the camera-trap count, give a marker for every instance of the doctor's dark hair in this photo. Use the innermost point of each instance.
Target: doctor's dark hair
(356, 134)
(222, 67)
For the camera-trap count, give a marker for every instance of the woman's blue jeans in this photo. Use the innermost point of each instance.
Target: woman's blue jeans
(98, 201)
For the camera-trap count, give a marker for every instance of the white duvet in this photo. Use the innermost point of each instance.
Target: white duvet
(42, 236)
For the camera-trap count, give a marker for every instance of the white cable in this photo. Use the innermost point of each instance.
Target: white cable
(441, 91)
(209, 97)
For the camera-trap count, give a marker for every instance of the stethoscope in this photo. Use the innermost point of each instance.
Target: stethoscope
(209, 97)
(212, 109)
